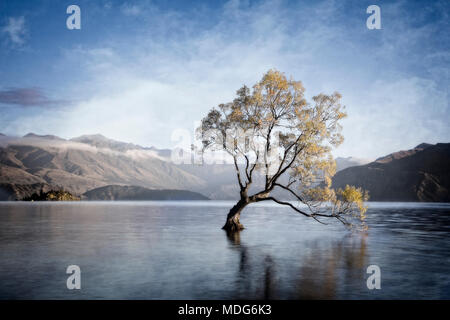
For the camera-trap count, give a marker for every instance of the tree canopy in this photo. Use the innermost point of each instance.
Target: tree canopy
(272, 130)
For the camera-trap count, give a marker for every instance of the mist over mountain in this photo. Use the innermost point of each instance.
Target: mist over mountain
(48, 136)
(344, 163)
(92, 161)
(86, 164)
(419, 174)
(34, 162)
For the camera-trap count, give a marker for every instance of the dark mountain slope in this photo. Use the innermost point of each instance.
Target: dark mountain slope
(140, 193)
(420, 174)
(12, 192)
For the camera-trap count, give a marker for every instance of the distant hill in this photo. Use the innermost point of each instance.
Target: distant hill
(33, 162)
(344, 163)
(91, 161)
(53, 195)
(12, 192)
(419, 174)
(100, 141)
(80, 166)
(115, 192)
(48, 136)
(402, 154)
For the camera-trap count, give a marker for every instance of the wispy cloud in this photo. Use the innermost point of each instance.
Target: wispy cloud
(15, 30)
(26, 97)
(131, 10)
(167, 71)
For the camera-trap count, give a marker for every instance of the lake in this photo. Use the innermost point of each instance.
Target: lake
(176, 250)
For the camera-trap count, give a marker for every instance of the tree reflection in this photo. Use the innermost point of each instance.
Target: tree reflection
(323, 271)
(316, 271)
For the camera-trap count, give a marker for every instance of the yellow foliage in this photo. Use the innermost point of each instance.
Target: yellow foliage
(356, 196)
(307, 133)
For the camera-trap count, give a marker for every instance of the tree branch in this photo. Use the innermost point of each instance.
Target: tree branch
(238, 173)
(291, 191)
(288, 204)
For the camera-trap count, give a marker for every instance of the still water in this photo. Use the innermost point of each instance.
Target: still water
(176, 250)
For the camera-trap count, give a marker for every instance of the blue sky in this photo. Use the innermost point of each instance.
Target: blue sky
(143, 71)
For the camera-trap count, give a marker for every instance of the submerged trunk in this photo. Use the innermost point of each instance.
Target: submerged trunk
(232, 224)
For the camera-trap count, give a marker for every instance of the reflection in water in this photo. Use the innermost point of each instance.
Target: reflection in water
(248, 272)
(320, 272)
(150, 250)
(321, 275)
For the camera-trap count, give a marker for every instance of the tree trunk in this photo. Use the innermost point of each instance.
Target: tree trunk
(232, 224)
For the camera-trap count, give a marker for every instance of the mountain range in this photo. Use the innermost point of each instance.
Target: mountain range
(35, 163)
(418, 174)
(87, 162)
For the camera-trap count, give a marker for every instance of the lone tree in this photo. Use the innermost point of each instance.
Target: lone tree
(273, 132)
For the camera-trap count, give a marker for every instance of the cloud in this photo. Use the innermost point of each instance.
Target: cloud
(15, 30)
(131, 10)
(172, 81)
(25, 97)
(64, 145)
(178, 65)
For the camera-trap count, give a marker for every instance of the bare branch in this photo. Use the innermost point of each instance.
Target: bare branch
(291, 191)
(238, 173)
(288, 204)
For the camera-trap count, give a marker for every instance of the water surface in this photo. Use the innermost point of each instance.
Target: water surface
(176, 250)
